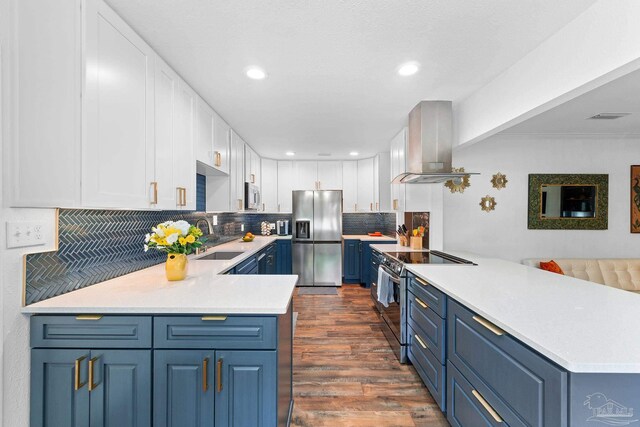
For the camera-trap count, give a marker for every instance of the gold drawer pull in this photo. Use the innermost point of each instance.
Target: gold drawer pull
(487, 407)
(214, 318)
(92, 362)
(205, 375)
(422, 304)
(89, 317)
(422, 343)
(490, 326)
(422, 282)
(219, 374)
(77, 384)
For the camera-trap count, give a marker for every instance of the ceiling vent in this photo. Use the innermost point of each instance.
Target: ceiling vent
(608, 116)
(324, 154)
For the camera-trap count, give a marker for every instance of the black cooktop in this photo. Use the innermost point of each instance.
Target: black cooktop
(427, 257)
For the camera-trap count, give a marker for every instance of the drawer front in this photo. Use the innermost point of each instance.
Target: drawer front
(219, 332)
(428, 367)
(91, 331)
(421, 288)
(249, 266)
(430, 326)
(505, 370)
(465, 408)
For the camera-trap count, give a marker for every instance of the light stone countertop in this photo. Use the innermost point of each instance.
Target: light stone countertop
(206, 290)
(367, 238)
(582, 326)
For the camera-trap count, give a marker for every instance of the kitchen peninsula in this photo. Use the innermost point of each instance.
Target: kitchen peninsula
(506, 343)
(216, 347)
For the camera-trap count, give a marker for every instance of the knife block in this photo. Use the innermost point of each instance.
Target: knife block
(416, 242)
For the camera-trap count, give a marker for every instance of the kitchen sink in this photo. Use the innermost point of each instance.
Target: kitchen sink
(221, 255)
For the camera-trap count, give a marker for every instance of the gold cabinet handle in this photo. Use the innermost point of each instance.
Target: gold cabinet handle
(377, 206)
(205, 374)
(219, 374)
(371, 207)
(253, 178)
(89, 317)
(184, 194)
(486, 406)
(422, 282)
(218, 159)
(395, 204)
(214, 318)
(77, 384)
(422, 303)
(422, 343)
(490, 326)
(155, 193)
(263, 208)
(92, 362)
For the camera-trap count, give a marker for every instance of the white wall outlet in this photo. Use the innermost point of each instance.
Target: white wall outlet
(21, 234)
(241, 227)
(272, 225)
(215, 220)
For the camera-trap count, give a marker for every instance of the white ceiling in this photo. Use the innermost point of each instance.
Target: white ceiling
(619, 96)
(332, 85)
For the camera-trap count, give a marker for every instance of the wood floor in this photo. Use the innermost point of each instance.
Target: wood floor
(344, 372)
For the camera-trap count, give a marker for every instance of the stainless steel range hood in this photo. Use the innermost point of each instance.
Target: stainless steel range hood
(429, 145)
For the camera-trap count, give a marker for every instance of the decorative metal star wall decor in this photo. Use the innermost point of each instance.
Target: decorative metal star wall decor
(499, 181)
(458, 185)
(488, 203)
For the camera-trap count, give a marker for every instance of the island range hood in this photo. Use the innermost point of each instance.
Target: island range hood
(429, 145)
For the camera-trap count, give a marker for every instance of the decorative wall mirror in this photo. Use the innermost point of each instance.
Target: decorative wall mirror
(568, 202)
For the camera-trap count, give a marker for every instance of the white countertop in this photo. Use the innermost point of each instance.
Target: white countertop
(366, 237)
(204, 291)
(581, 326)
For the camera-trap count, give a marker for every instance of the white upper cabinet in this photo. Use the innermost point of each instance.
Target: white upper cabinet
(252, 166)
(166, 83)
(269, 185)
(184, 166)
(118, 113)
(382, 184)
(236, 172)
(221, 136)
(329, 175)
(285, 185)
(349, 185)
(305, 175)
(365, 185)
(204, 133)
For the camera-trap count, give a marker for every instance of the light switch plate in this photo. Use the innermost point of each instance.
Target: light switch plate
(241, 227)
(21, 234)
(272, 226)
(215, 220)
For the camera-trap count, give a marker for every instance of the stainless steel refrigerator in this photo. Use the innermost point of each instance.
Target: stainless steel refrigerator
(317, 237)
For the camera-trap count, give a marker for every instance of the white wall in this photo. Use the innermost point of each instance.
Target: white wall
(503, 233)
(601, 44)
(14, 367)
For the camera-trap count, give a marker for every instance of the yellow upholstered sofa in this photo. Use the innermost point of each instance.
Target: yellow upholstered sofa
(618, 273)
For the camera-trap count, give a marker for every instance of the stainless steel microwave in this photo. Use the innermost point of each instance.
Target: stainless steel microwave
(251, 197)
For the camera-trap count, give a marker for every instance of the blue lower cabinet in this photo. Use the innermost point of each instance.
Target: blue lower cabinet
(184, 388)
(430, 369)
(366, 261)
(248, 266)
(59, 392)
(246, 390)
(465, 406)
(284, 260)
(351, 261)
(102, 388)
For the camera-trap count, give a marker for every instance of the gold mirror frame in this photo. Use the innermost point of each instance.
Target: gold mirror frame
(488, 203)
(599, 222)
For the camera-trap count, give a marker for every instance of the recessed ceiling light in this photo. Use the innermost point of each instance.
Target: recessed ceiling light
(256, 73)
(290, 153)
(353, 153)
(408, 69)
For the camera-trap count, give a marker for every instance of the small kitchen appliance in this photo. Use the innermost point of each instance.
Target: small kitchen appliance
(282, 227)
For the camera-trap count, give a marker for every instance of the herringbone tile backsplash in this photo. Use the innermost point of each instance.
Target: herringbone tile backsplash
(98, 245)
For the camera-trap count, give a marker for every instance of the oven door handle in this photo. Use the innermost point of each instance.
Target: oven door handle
(395, 279)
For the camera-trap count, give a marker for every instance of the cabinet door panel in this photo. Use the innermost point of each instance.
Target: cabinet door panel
(285, 186)
(121, 394)
(349, 185)
(180, 396)
(365, 185)
(54, 400)
(204, 132)
(165, 118)
(248, 395)
(221, 132)
(351, 263)
(118, 139)
(305, 175)
(330, 175)
(184, 166)
(269, 189)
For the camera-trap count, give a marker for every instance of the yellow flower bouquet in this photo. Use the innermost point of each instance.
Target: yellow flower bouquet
(178, 239)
